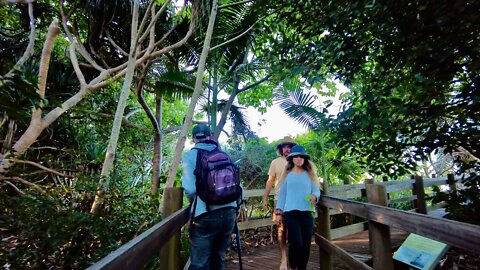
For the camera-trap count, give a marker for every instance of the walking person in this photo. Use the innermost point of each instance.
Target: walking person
(277, 166)
(211, 225)
(299, 193)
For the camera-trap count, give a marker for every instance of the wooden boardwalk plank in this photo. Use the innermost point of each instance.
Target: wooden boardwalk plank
(268, 257)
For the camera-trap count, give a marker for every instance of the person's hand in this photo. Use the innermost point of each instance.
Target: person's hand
(278, 216)
(278, 219)
(313, 199)
(265, 204)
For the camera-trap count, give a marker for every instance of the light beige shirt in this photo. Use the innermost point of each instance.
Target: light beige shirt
(276, 169)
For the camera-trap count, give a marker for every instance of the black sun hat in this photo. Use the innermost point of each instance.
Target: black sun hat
(298, 150)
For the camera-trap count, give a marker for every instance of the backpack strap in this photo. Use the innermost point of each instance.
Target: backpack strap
(198, 174)
(192, 215)
(196, 171)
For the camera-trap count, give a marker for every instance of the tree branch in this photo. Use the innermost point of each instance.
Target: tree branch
(31, 39)
(80, 48)
(152, 22)
(181, 42)
(25, 182)
(110, 39)
(41, 167)
(141, 100)
(248, 87)
(235, 38)
(234, 4)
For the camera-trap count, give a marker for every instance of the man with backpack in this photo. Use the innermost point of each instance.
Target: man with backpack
(212, 185)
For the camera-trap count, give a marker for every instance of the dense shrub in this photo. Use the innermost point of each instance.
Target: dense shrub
(60, 233)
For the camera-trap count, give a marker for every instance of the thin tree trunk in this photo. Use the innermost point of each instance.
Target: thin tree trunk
(117, 122)
(105, 77)
(196, 94)
(31, 40)
(214, 107)
(36, 124)
(157, 149)
(225, 110)
(228, 105)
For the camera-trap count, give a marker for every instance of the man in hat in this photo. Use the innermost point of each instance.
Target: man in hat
(274, 173)
(210, 230)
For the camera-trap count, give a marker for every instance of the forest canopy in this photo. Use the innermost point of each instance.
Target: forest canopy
(97, 99)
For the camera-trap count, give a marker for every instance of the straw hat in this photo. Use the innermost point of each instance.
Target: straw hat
(286, 141)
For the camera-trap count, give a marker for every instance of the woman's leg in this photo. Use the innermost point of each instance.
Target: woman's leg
(294, 228)
(306, 220)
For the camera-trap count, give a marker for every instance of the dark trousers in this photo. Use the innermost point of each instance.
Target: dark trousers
(299, 230)
(209, 239)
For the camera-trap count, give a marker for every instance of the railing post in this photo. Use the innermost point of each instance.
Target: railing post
(170, 252)
(451, 183)
(323, 229)
(420, 192)
(385, 179)
(379, 234)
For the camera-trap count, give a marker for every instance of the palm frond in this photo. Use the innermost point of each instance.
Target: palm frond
(174, 84)
(300, 106)
(239, 120)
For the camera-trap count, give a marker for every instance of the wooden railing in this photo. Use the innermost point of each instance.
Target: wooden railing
(358, 191)
(381, 218)
(140, 250)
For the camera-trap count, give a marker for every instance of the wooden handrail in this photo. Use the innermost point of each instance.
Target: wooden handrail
(346, 191)
(138, 251)
(458, 234)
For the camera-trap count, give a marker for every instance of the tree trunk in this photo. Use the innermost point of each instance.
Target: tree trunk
(157, 149)
(214, 107)
(117, 122)
(102, 80)
(223, 118)
(196, 94)
(36, 124)
(228, 105)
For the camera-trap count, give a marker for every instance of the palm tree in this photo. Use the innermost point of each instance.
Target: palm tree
(169, 84)
(333, 164)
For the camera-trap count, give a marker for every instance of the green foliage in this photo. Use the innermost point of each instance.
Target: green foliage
(18, 92)
(60, 232)
(412, 69)
(174, 85)
(255, 157)
(463, 202)
(331, 163)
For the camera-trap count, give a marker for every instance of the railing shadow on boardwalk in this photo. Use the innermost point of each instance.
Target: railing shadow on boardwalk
(381, 221)
(268, 257)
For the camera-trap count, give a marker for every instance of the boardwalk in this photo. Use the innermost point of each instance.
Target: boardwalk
(356, 244)
(269, 258)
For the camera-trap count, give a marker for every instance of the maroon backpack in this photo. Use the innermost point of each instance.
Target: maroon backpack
(217, 177)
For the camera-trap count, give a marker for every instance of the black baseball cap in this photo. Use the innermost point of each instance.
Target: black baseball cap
(201, 131)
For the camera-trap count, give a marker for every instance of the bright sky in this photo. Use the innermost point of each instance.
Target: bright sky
(274, 124)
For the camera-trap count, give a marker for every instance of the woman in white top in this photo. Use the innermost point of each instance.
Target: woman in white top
(298, 195)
